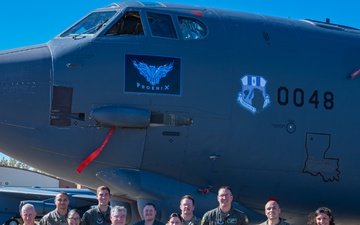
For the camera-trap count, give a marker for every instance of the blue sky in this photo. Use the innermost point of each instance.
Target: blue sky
(25, 22)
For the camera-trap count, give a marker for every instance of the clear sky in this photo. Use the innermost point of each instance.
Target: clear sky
(24, 22)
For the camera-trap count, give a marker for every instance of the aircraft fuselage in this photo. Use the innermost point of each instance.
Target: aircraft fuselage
(199, 98)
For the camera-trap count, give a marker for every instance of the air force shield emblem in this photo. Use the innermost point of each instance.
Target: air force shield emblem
(253, 96)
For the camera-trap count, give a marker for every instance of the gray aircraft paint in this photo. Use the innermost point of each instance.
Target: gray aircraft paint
(300, 147)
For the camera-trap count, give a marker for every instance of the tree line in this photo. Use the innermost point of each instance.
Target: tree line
(11, 162)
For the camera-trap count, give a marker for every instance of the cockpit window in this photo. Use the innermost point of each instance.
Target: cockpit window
(161, 25)
(192, 28)
(89, 25)
(129, 24)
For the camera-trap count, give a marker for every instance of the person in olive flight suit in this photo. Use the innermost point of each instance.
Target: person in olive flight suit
(272, 212)
(225, 214)
(187, 206)
(100, 215)
(149, 216)
(59, 215)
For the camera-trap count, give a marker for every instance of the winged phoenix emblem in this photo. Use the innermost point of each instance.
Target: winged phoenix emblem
(153, 74)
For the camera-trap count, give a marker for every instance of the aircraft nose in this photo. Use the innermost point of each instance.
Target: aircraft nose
(25, 78)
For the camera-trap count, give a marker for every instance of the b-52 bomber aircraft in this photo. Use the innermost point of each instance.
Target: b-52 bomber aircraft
(160, 100)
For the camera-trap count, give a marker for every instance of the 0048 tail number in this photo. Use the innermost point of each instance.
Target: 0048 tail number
(297, 98)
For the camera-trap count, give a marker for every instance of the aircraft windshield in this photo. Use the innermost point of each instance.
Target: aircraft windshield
(89, 25)
(192, 28)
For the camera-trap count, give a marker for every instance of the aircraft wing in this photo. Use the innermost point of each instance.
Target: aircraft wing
(44, 193)
(80, 196)
(22, 192)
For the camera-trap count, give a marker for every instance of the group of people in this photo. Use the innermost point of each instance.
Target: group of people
(322, 216)
(103, 214)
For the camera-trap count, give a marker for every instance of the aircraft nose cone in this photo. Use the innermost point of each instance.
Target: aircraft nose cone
(25, 86)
